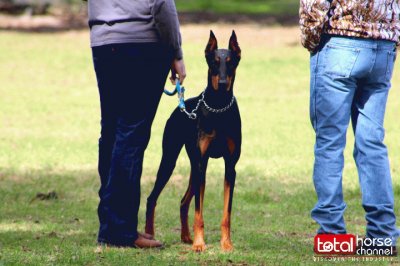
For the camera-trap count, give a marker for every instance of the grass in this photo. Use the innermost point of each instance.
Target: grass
(272, 7)
(49, 117)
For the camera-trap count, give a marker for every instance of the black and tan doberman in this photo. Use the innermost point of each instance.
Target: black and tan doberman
(215, 133)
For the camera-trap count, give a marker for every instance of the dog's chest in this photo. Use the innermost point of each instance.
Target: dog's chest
(218, 147)
(217, 143)
(217, 130)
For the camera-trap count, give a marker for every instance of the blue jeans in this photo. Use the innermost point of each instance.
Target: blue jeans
(350, 79)
(131, 79)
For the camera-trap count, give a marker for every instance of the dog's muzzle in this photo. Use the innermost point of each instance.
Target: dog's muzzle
(223, 54)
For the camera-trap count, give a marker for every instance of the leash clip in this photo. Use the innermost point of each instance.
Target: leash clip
(181, 98)
(193, 116)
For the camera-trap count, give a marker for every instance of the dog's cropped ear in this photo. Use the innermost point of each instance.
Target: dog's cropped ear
(233, 44)
(212, 44)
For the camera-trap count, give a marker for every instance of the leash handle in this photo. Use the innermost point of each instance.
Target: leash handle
(172, 93)
(181, 94)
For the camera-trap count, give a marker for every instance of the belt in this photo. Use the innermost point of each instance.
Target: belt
(112, 22)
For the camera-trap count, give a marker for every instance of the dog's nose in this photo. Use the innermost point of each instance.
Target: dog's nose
(223, 81)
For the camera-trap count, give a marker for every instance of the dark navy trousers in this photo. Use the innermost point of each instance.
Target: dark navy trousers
(131, 79)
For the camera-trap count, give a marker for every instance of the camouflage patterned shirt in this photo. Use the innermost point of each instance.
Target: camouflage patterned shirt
(375, 19)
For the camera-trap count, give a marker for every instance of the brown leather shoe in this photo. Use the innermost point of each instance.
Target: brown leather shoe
(143, 242)
(145, 235)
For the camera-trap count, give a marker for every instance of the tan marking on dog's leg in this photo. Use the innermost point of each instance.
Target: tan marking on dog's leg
(198, 227)
(226, 243)
(199, 244)
(185, 204)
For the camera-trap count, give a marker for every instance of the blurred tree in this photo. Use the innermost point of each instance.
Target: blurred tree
(25, 6)
(36, 7)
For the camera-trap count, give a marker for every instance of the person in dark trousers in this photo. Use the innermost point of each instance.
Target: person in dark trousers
(353, 50)
(134, 46)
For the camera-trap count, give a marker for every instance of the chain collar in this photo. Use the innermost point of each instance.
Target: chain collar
(193, 115)
(213, 110)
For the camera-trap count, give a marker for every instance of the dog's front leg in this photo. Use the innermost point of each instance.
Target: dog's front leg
(229, 184)
(199, 166)
(199, 183)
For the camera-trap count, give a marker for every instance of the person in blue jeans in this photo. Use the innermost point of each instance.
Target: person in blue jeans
(353, 50)
(134, 46)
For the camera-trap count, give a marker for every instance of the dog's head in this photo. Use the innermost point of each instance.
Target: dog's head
(222, 63)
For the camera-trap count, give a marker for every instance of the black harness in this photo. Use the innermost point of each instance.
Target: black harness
(112, 22)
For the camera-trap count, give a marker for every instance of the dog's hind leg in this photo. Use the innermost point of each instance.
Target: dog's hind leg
(185, 203)
(172, 145)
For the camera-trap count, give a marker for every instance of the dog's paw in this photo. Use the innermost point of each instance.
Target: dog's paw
(199, 247)
(186, 239)
(226, 245)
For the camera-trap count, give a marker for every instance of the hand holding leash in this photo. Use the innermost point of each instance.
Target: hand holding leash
(178, 69)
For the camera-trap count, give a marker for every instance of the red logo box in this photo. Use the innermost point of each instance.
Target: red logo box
(335, 244)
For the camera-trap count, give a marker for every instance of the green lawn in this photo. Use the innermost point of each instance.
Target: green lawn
(49, 118)
(272, 7)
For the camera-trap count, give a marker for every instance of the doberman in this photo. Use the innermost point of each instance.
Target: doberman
(215, 133)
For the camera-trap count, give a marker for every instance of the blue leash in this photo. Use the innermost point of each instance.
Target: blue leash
(181, 94)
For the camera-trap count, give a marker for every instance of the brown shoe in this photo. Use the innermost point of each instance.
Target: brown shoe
(143, 242)
(145, 235)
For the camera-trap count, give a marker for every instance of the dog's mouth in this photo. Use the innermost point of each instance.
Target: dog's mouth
(221, 82)
(222, 85)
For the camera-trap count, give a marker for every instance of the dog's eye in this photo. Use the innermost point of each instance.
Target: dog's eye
(214, 66)
(230, 67)
(217, 62)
